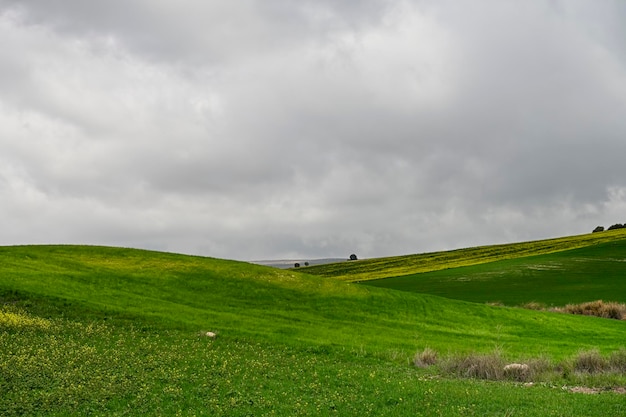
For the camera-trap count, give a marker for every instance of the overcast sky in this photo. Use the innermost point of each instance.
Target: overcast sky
(269, 129)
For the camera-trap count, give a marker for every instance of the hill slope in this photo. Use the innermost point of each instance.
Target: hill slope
(240, 299)
(572, 276)
(109, 331)
(378, 268)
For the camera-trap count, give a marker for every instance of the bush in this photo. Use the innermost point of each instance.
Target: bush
(539, 366)
(590, 361)
(599, 308)
(533, 305)
(425, 358)
(617, 361)
(481, 366)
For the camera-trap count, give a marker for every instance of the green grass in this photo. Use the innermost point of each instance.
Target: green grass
(378, 268)
(78, 368)
(245, 300)
(110, 331)
(595, 272)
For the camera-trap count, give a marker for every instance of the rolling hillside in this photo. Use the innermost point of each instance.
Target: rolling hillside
(586, 274)
(88, 330)
(244, 300)
(378, 268)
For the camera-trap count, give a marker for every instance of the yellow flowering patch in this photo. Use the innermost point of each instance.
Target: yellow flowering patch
(20, 319)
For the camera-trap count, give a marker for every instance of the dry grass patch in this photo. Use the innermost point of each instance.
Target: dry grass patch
(495, 367)
(590, 361)
(480, 366)
(425, 358)
(533, 305)
(617, 361)
(599, 308)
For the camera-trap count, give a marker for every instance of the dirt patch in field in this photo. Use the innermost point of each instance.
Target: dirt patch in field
(587, 390)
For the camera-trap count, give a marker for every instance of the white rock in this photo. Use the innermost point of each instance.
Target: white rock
(513, 367)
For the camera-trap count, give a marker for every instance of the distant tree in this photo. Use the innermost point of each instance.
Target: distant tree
(353, 257)
(617, 226)
(306, 264)
(598, 229)
(297, 265)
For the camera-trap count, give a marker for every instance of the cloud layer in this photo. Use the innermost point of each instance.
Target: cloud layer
(277, 129)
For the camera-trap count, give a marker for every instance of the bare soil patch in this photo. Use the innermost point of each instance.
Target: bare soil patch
(588, 390)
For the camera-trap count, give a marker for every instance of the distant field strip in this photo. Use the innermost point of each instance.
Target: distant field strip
(369, 269)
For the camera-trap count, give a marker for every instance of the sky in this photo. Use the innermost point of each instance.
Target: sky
(281, 129)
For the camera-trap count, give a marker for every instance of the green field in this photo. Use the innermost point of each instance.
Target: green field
(109, 331)
(378, 268)
(572, 276)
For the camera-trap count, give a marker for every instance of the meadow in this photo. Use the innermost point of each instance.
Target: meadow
(113, 331)
(571, 276)
(378, 268)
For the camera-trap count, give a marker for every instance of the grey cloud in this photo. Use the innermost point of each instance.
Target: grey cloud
(201, 32)
(309, 129)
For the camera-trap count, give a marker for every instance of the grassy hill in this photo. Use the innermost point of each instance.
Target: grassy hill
(395, 266)
(572, 276)
(111, 331)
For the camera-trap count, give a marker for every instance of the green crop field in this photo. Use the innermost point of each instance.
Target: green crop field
(378, 268)
(109, 331)
(571, 276)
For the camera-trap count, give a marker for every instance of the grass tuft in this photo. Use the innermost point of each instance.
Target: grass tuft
(533, 305)
(599, 308)
(425, 358)
(617, 361)
(590, 361)
(479, 366)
